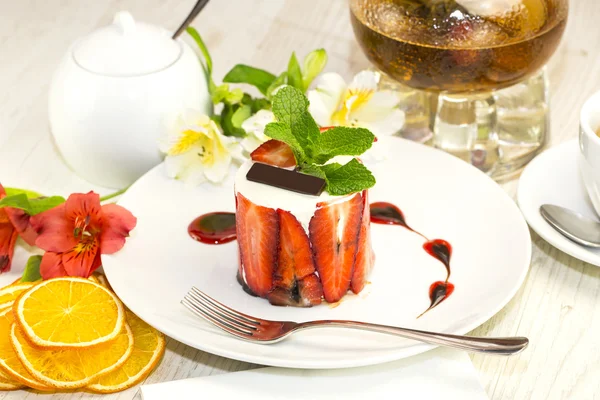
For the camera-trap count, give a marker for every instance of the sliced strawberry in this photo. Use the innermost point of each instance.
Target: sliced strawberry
(334, 230)
(274, 152)
(364, 255)
(257, 234)
(294, 246)
(311, 290)
(239, 273)
(294, 263)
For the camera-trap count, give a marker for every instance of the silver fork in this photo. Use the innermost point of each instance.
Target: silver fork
(264, 331)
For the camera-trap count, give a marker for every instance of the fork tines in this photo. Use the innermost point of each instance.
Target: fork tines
(224, 317)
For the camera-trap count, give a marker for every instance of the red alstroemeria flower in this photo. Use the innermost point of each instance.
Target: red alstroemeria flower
(8, 237)
(13, 222)
(75, 233)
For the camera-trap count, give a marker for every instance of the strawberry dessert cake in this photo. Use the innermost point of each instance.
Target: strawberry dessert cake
(298, 248)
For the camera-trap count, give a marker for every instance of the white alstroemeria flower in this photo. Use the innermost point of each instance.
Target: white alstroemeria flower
(197, 151)
(360, 104)
(255, 129)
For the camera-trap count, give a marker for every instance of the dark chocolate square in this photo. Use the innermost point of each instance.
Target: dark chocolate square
(286, 179)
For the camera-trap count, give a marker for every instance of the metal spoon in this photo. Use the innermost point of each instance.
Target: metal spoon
(580, 229)
(195, 11)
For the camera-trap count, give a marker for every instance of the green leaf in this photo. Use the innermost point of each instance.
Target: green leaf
(234, 96)
(347, 179)
(290, 107)
(281, 131)
(279, 81)
(44, 203)
(294, 74)
(222, 94)
(306, 126)
(207, 64)
(313, 170)
(314, 63)
(31, 206)
(219, 94)
(256, 77)
(30, 194)
(240, 115)
(16, 201)
(207, 58)
(227, 125)
(32, 270)
(342, 141)
(289, 104)
(260, 104)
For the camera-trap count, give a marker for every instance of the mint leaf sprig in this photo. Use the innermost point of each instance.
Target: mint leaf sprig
(313, 149)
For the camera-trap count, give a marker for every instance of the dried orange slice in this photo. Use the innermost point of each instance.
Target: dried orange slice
(7, 383)
(69, 313)
(148, 348)
(72, 368)
(9, 293)
(9, 362)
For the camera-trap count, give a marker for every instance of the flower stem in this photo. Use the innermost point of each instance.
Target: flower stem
(115, 194)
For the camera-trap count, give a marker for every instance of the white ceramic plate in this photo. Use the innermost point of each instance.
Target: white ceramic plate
(553, 177)
(440, 195)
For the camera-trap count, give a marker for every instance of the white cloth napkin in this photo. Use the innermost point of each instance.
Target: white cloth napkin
(438, 374)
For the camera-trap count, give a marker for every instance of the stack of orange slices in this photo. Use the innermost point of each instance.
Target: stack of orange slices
(73, 333)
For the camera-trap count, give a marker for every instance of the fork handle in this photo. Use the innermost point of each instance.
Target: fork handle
(501, 346)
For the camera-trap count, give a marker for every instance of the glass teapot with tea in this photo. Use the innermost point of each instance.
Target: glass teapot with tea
(458, 55)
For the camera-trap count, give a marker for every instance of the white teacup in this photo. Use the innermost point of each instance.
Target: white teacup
(589, 146)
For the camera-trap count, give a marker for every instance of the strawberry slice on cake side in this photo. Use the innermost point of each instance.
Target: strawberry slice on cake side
(365, 258)
(258, 236)
(334, 233)
(294, 280)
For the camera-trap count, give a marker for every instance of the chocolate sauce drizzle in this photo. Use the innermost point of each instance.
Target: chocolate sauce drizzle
(388, 214)
(213, 228)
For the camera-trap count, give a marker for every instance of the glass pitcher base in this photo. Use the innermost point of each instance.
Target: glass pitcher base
(518, 131)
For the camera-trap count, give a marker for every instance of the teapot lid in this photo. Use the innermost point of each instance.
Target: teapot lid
(126, 48)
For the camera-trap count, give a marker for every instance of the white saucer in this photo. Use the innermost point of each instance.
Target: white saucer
(553, 178)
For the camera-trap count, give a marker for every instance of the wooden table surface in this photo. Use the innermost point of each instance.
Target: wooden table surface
(557, 306)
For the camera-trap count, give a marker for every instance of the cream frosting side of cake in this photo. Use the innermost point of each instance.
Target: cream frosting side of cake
(302, 206)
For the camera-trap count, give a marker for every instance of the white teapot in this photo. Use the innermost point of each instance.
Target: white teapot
(112, 95)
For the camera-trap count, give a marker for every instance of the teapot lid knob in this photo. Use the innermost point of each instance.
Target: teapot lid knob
(126, 48)
(125, 22)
